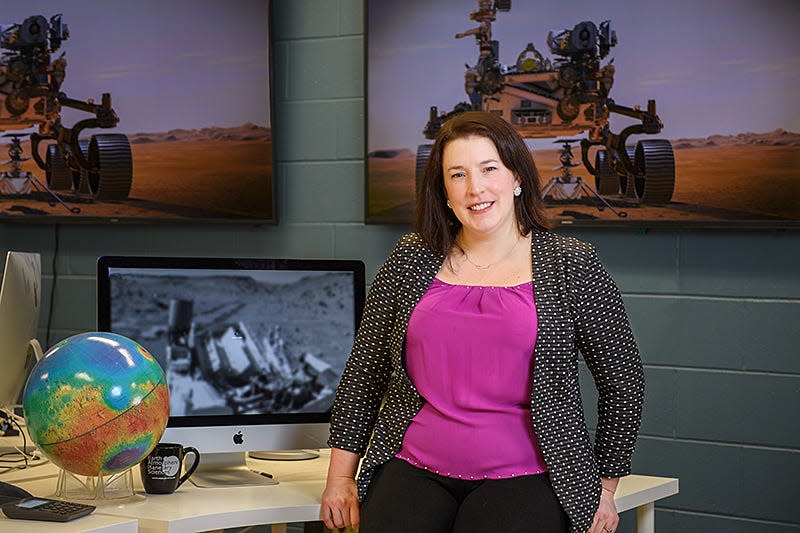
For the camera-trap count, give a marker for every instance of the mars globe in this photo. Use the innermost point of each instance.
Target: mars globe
(96, 403)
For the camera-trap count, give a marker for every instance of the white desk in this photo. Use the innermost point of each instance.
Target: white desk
(94, 523)
(641, 493)
(295, 499)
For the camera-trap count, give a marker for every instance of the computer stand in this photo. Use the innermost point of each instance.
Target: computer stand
(284, 455)
(228, 470)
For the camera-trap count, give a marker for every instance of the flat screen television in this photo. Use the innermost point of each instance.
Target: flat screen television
(20, 298)
(252, 348)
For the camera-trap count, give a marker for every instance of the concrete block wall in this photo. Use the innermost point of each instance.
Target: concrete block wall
(714, 312)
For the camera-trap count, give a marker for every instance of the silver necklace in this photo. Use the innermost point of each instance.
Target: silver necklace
(490, 265)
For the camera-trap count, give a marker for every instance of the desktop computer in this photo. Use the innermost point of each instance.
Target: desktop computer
(20, 300)
(252, 348)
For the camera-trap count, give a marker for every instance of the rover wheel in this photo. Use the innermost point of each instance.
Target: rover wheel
(654, 163)
(606, 180)
(111, 163)
(80, 178)
(626, 184)
(57, 173)
(423, 154)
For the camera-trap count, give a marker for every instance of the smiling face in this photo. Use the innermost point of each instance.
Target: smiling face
(479, 187)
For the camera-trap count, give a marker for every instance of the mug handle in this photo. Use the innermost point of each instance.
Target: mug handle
(195, 464)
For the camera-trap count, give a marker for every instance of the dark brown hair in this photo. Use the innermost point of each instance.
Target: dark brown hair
(434, 221)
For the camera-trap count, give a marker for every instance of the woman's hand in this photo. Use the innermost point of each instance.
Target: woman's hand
(606, 518)
(340, 499)
(340, 503)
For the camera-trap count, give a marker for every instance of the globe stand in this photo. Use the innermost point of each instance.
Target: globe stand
(97, 490)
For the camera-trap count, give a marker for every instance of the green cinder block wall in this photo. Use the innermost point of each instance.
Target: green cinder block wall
(715, 312)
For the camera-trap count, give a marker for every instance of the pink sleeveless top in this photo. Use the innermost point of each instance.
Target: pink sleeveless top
(469, 353)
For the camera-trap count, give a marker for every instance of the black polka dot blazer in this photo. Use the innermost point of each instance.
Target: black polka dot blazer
(579, 308)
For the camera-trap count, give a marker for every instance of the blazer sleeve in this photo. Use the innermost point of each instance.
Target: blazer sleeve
(368, 369)
(605, 339)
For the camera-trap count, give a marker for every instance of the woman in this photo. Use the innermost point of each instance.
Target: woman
(461, 392)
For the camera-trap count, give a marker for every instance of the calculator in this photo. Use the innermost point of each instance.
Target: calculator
(46, 509)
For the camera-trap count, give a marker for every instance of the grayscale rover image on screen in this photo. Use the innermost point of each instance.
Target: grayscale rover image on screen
(239, 341)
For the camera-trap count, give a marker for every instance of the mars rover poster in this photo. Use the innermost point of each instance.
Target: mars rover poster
(135, 111)
(645, 113)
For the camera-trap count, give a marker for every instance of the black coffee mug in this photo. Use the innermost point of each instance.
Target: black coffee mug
(161, 470)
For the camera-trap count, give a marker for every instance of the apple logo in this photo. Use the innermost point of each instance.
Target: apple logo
(238, 438)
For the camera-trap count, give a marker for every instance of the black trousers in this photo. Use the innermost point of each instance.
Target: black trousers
(405, 499)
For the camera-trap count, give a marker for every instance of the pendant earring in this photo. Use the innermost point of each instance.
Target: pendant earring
(448, 204)
(517, 190)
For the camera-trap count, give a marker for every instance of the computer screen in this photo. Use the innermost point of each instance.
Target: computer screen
(20, 297)
(252, 348)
